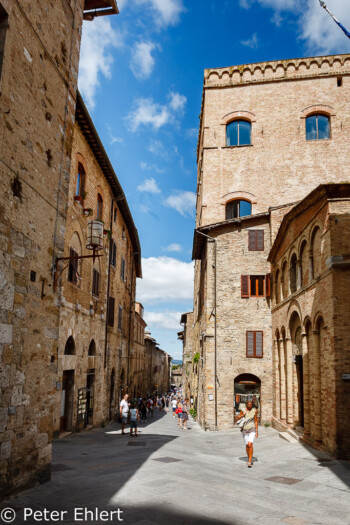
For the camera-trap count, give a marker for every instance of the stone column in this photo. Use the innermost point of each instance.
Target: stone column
(276, 381)
(316, 394)
(289, 380)
(311, 266)
(299, 274)
(306, 384)
(282, 378)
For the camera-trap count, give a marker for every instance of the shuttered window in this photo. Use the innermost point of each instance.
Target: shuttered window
(268, 285)
(254, 343)
(257, 285)
(95, 283)
(256, 240)
(244, 285)
(111, 304)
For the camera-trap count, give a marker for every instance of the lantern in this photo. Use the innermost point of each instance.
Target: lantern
(95, 236)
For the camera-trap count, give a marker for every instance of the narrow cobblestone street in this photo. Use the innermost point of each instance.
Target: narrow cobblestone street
(169, 476)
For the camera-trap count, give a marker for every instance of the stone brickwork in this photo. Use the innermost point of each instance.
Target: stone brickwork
(98, 369)
(187, 353)
(277, 169)
(38, 90)
(275, 97)
(39, 56)
(138, 358)
(310, 319)
(157, 369)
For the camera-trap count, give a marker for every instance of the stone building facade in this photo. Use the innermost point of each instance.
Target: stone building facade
(186, 336)
(269, 134)
(97, 297)
(138, 355)
(39, 60)
(157, 369)
(310, 264)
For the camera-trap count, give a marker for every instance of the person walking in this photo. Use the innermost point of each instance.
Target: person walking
(185, 414)
(134, 417)
(143, 410)
(124, 412)
(249, 429)
(173, 406)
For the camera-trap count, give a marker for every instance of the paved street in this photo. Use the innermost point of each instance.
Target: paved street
(169, 476)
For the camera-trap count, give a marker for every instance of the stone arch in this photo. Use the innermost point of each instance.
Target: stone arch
(233, 195)
(69, 348)
(235, 115)
(317, 108)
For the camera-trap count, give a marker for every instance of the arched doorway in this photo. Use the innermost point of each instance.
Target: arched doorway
(247, 387)
(297, 387)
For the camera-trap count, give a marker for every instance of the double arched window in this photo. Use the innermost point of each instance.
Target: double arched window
(238, 133)
(238, 208)
(317, 127)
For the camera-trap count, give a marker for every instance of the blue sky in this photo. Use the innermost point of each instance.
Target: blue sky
(141, 75)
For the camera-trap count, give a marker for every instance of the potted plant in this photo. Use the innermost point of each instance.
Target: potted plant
(77, 198)
(87, 212)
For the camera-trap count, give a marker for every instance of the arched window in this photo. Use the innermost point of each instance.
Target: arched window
(293, 273)
(92, 348)
(238, 133)
(69, 349)
(317, 127)
(277, 287)
(284, 281)
(304, 264)
(99, 207)
(238, 208)
(80, 187)
(316, 252)
(74, 265)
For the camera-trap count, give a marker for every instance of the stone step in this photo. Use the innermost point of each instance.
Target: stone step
(287, 437)
(294, 433)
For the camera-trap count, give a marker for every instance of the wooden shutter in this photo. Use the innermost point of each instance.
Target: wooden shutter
(251, 240)
(260, 240)
(258, 344)
(111, 302)
(250, 344)
(244, 285)
(268, 285)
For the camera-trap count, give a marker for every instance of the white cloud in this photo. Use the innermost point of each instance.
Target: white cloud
(166, 12)
(151, 167)
(142, 62)
(149, 186)
(173, 247)
(148, 113)
(96, 57)
(320, 33)
(182, 201)
(113, 138)
(251, 42)
(177, 101)
(168, 320)
(165, 279)
(157, 148)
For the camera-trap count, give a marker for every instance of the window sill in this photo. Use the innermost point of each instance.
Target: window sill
(238, 146)
(313, 141)
(254, 356)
